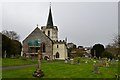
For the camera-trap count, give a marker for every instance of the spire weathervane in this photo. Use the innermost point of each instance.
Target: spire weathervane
(50, 4)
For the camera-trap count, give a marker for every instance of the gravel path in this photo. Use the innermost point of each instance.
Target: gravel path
(17, 67)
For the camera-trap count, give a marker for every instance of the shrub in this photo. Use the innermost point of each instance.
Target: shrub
(107, 54)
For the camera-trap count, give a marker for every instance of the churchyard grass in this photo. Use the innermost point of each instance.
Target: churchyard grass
(0, 68)
(0, 62)
(17, 62)
(58, 69)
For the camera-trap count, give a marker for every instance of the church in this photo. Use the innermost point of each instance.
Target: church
(46, 40)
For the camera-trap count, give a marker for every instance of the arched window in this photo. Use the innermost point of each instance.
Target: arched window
(57, 46)
(48, 33)
(43, 47)
(57, 55)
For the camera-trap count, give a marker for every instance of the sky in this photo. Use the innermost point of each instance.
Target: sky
(83, 23)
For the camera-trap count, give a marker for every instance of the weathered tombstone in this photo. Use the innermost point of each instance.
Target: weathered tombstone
(113, 62)
(117, 60)
(12, 56)
(72, 61)
(96, 71)
(107, 64)
(99, 58)
(78, 60)
(5, 54)
(109, 60)
(94, 61)
(66, 61)
(99, 61)
(117, 76)
(86, 61)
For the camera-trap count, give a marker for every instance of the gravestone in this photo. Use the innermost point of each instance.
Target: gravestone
(86, 61)
(66, 61)
(78, 60)
(99, 61)
(109, 60)
(94, 61)
(113, 62)
(72, 61)
(99, 58)
(107, 63)
(96, 71)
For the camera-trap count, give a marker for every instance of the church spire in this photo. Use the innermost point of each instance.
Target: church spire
(50, 21)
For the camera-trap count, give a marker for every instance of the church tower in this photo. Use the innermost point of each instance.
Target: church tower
(50, 30)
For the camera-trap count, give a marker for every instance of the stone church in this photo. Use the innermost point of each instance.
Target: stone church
(45, 40)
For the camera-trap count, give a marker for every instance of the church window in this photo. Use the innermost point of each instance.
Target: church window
(57, 55)
(48, 33)
(57, 46)
(44, 48)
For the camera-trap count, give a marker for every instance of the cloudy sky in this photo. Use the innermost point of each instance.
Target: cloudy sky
(83, 23)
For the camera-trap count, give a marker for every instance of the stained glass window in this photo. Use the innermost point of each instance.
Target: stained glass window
(35, 42)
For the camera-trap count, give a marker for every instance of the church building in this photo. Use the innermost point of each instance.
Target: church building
(46, 40)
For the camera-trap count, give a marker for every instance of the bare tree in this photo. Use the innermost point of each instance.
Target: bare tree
(114, 47)
(11, 34)
(116, 41)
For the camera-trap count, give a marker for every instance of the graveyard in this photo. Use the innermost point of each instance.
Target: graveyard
(79, 68)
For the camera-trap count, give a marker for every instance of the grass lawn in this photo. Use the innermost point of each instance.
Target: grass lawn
(0, 68)
(58, 69)
(17, 62)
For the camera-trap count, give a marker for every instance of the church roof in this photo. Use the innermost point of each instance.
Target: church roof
(39, 32)
(50, 20)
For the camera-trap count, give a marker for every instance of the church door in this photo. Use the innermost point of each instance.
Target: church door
(57, 55)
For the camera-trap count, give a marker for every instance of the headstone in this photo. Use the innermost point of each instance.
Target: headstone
(113, 62)
(117, 76)
(99, 58)
(109, 60)
(72, 61)
(78, 60)
(95, 69)
(86, 61)
(117, 60)
(66, 61)
(107, 64)
(5, 54)
(94, 61)
(99, 61)
(12, 56)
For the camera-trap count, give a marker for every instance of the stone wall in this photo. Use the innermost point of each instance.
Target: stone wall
(61, 49)
(38, 34)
